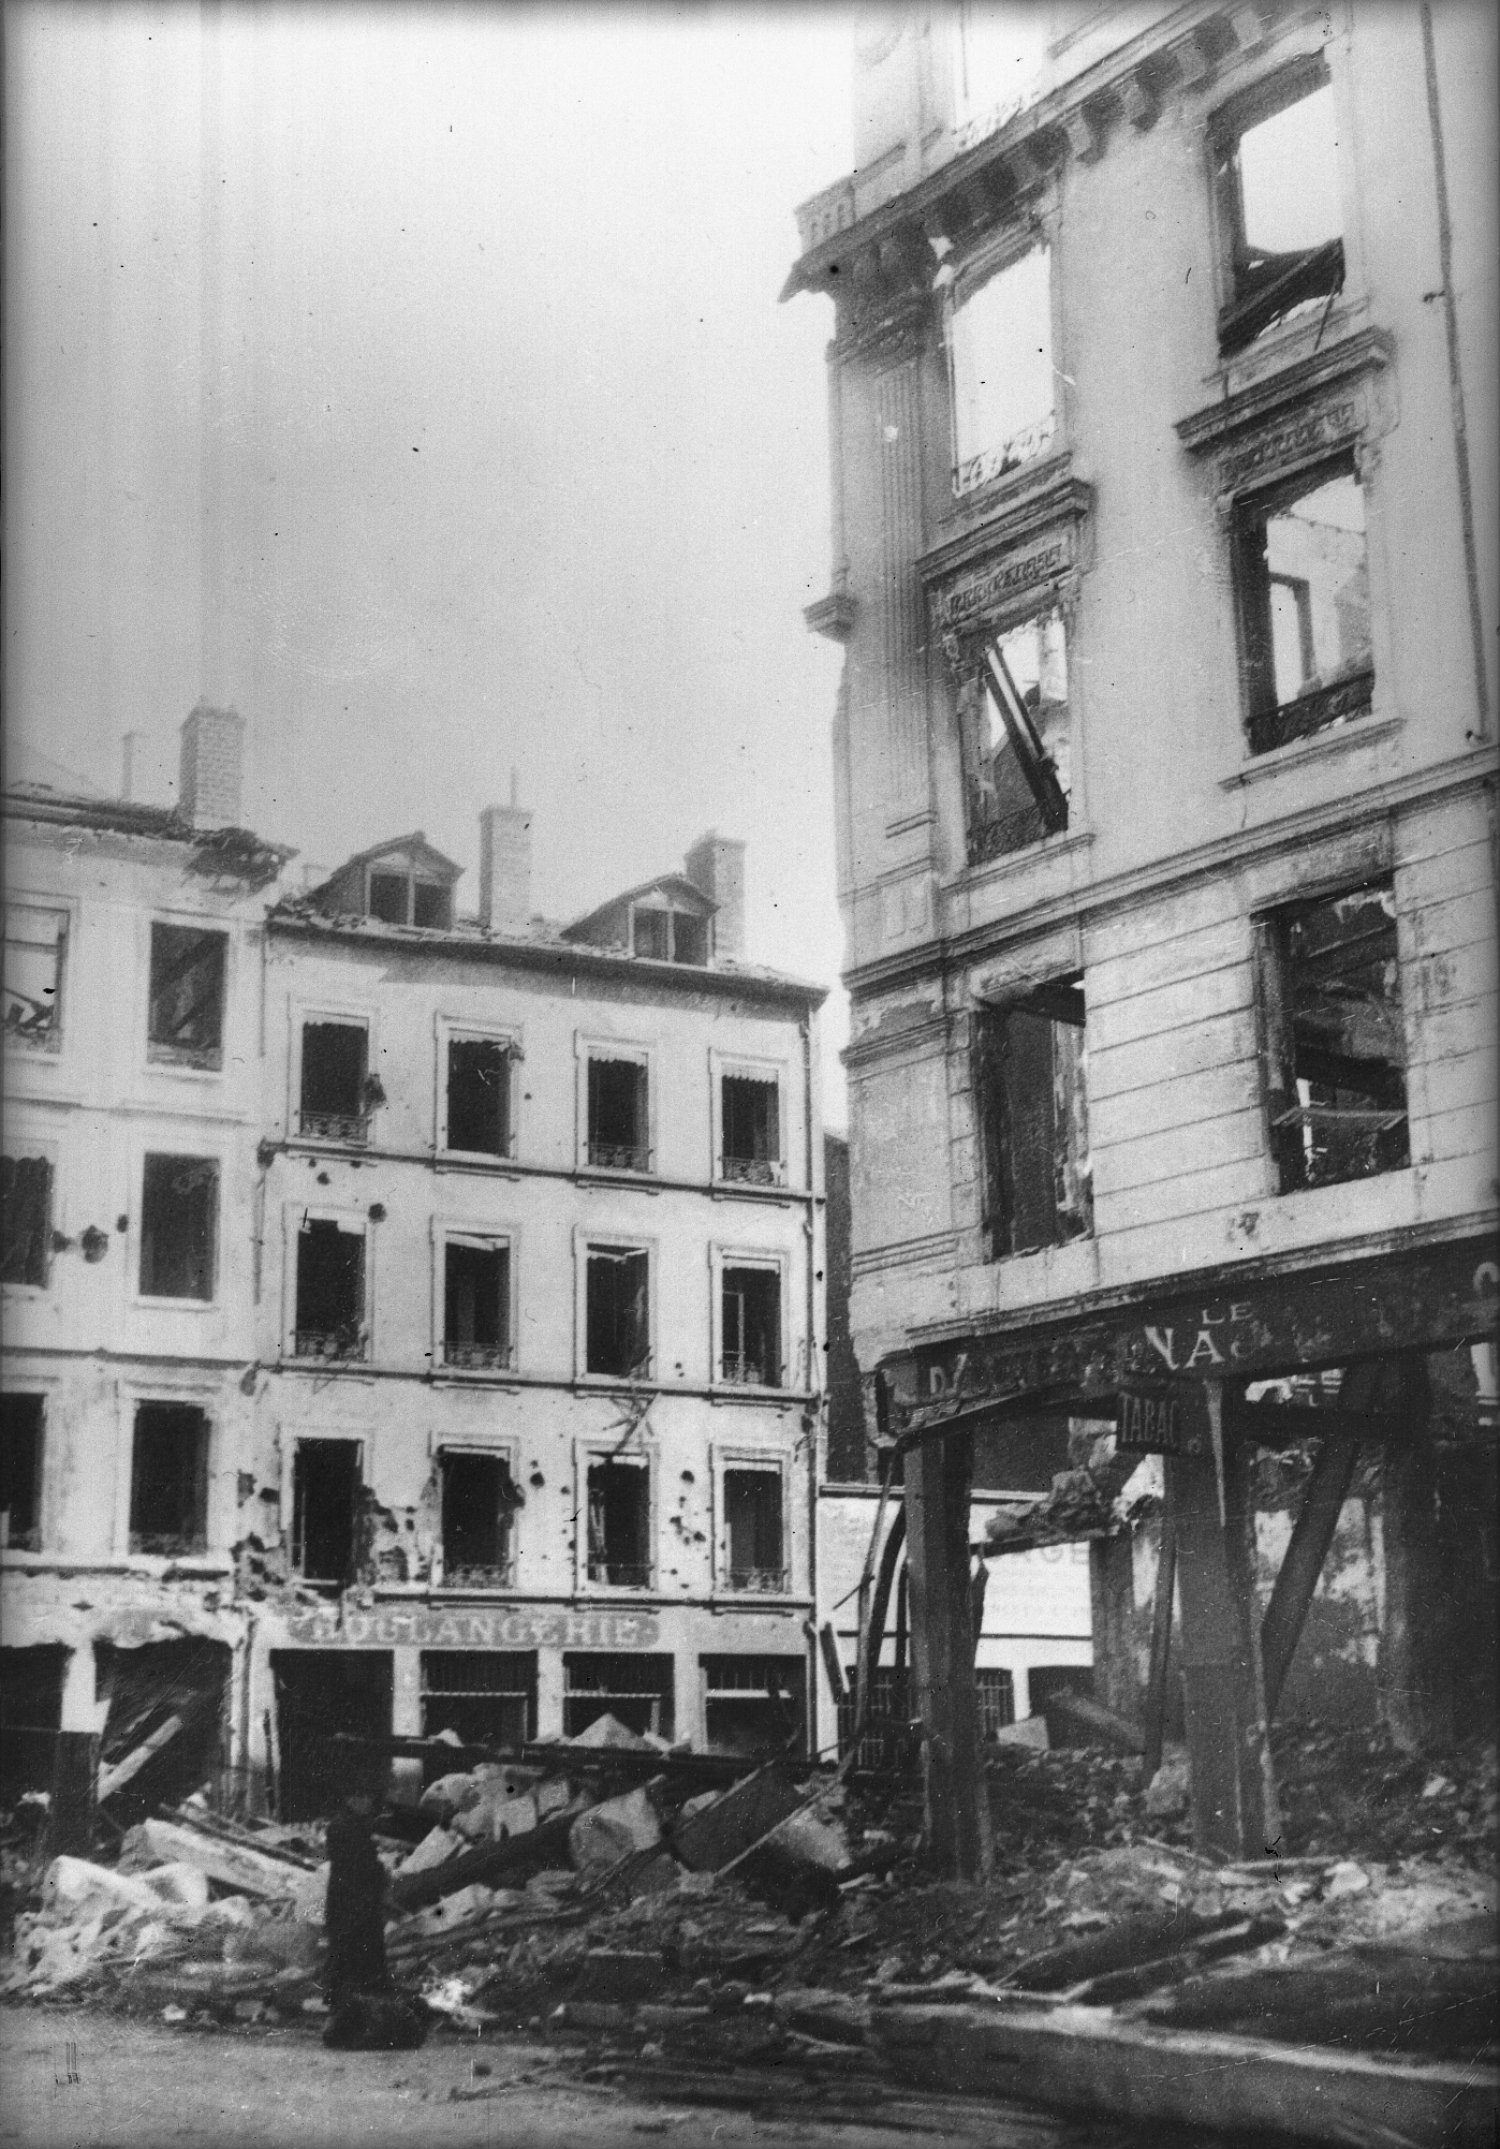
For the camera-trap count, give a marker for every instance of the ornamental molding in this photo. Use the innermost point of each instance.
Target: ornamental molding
(1336, 398)
(1029, 548)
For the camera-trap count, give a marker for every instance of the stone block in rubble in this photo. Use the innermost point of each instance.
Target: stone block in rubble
(181, 1885)
(605, 1834)
(496, 1819)
(75, 1888)
(821, 2012)
(450, 1794)
(435, 1848)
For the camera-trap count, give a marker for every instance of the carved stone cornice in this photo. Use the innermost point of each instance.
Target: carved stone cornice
(832, 616)
(1331, 399)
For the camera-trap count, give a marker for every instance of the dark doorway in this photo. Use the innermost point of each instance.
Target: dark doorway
(320, 1694)
(325, 1491)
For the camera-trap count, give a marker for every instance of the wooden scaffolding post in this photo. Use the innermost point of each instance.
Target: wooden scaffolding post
(1208, 1507)
(939, 1472)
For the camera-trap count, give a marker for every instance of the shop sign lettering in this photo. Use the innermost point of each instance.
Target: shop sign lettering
(424, 1626)
(1161, 1421)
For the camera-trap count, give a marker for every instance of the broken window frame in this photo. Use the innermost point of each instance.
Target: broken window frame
(764, 1683)
(472, 1676)
(618, 1251)
(1009, 1228)
(600, 1565)
(190, 1536)
(169, 1177)
(686, 939)
(757, 1159)
(28, 1192)
(761, 1576)
(994, 1699)
(637, 1156)
(35, 964)
(416, 887)
(990, 460)
(23, 1428)
(457, 1353)
(174, 1005)
(509, 1499)
(453, 1037)
(643, 1681)
(1261, 291)
(1377, 1131)
(736, 1364)
(295, 1506)
(1269, 722)
(984, 676)
(323, 1122)
(348, 1339)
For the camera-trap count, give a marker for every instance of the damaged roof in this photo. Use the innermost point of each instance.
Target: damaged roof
(217, 850)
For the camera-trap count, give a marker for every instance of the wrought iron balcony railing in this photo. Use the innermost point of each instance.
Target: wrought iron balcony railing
(767, 1581)
(333, 1343)
(743, 1370)
(478, 1357)
(619, 1157)
(750, 1171)
(621, 1574)
(335, 1126)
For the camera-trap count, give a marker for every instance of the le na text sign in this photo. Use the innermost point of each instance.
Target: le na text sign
(430, 1626)
(1162, 1421)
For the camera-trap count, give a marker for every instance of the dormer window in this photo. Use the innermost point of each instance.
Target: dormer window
(668, 936)
(404, 899)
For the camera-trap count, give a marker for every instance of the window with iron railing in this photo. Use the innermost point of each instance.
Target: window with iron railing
(619, 1124)
(754, 1540)
(336, 1096)
(479, 1504)
(476, 1303)
(330, 1304)
(617, 1312)
(185, 1026)
(638, 1690)
(169, 1479)
(750, 1355)
(750, 1130)
(619, 1522)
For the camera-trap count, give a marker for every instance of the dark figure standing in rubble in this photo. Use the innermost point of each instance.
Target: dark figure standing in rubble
(354, 1915)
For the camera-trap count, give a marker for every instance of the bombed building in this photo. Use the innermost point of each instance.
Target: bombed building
(413, 1317)
(1163, 564)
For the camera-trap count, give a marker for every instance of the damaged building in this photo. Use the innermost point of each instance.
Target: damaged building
(1163, 564)
(413, 1317)
(538, 1235)
(133, 955)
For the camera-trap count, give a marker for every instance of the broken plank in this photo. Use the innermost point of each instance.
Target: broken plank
(1080, 2059)
(115, 1778)
(234, 1865)
(518, 1857)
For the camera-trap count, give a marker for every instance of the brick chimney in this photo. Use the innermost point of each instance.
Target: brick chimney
(208, 783)
(505, 866)
(716, 864)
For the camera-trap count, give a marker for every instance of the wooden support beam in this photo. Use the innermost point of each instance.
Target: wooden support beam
(1317, 1520)
(939, 1476)
(1161, 1650)
(1112, 1617)
(1416, 1669)
(1208, 1504)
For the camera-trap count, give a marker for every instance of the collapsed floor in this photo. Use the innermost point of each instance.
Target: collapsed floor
(608, 1894)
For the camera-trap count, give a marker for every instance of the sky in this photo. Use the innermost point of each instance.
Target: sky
(413, 380)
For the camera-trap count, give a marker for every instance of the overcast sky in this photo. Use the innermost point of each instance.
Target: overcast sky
(413, 380)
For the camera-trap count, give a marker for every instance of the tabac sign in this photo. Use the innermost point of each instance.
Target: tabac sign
(432, 1626)
(1432, 1297)
(1160, 1418)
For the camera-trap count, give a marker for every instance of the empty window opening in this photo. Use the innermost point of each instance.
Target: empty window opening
(187, 996)
(479, 1504)
(754, 1542)
(179, 1226)
(31, 1689)
(1335, 1047)
(1017, 750)
(1278, 187)
(619, 1522)
(169, 1698)
(1305, 606)
(1032, 1101)
(25, 1219)
(22, 1430)
(485, 1697)
(479, 1096)
(169, 1479)
(619, 1128)
(890, 1736)
(335, 1099)
(750, 1114)
(995, 1697)
(326, 1481)
(476, 1303)
(618, 1312)
(34, 944)
(752, 1327)
(669, 936)
(637, 1691)
(333, 1719)
(1003, 392)
(330, 1315)
(399, 899)
(754, 1705)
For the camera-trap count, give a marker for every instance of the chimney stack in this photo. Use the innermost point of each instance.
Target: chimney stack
(208, 783)
(505, 866)
(716, 864)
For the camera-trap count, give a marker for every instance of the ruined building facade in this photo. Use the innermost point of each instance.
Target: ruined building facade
(1164, 566)
(448, 1352)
